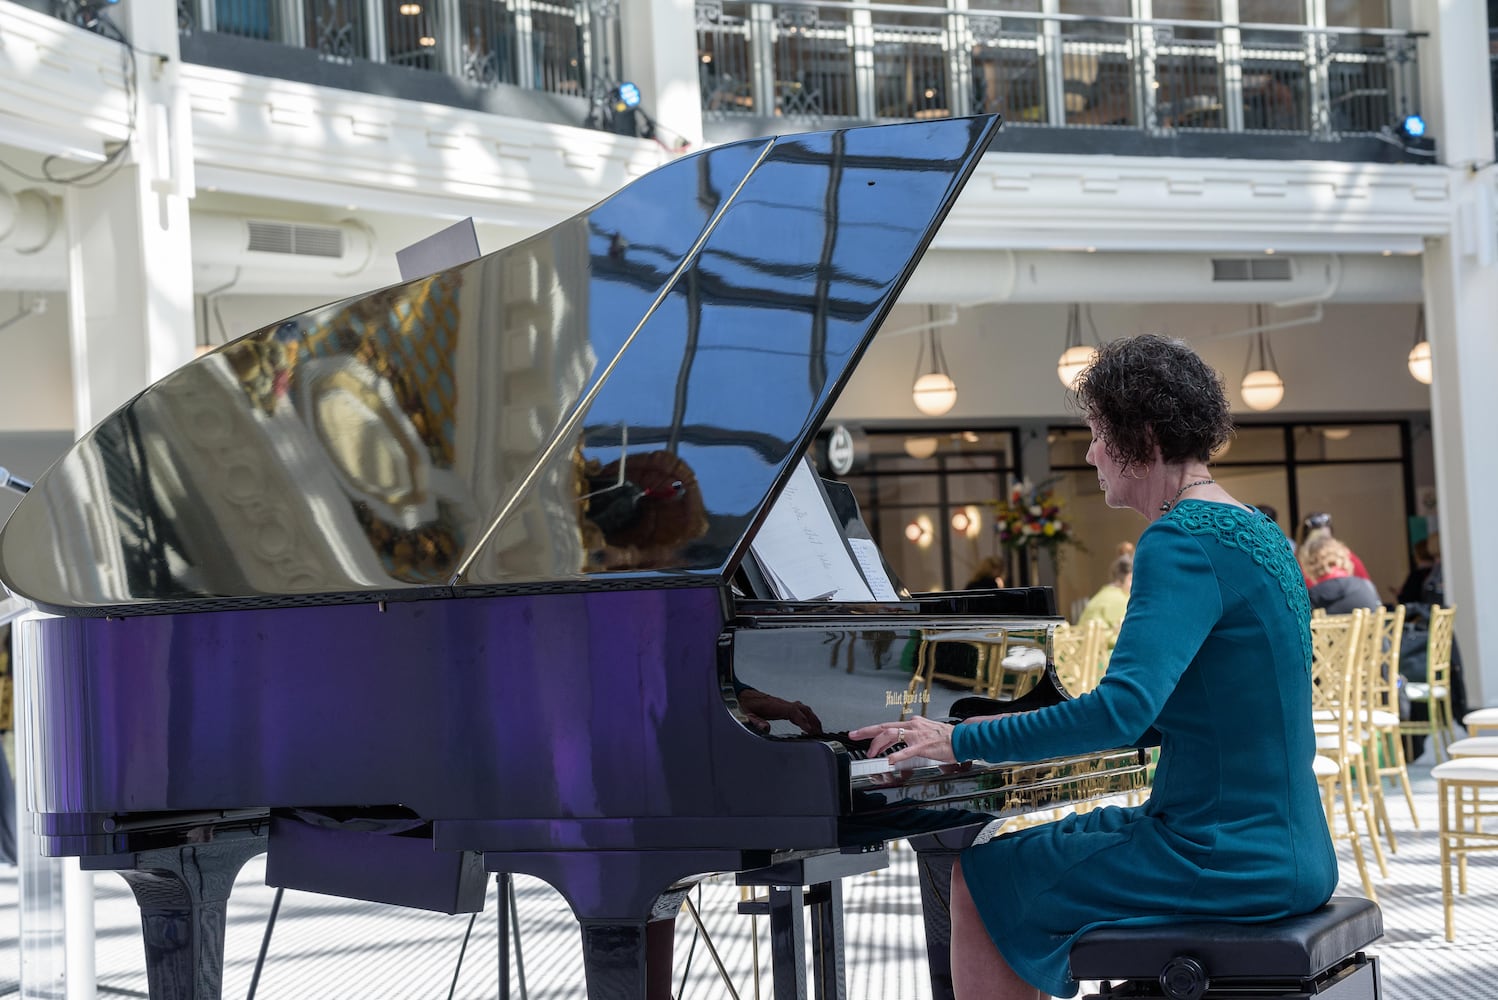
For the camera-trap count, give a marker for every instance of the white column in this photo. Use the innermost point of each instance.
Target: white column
(130, 313)
(1461, 299)
(659, 38)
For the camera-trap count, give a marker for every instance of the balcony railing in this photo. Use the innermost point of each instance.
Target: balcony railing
(541, 45)
(812, 62)
(792, 64)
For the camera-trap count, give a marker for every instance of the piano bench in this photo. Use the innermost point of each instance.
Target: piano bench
(1316, 954)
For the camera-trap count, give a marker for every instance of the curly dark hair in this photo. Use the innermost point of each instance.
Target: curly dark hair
(1150, 391)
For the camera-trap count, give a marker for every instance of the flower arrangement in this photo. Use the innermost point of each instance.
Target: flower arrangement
(1031, 516)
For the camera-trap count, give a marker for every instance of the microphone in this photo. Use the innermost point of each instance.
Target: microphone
(12, 482)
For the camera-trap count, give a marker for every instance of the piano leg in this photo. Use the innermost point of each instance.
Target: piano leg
(828, 970)
(787, 906)
(618, 897)
(614, 959)
(788, 941)
(936, 854)
(183, 893)
(823, 873)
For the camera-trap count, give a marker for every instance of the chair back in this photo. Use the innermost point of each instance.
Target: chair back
(1336, 655)
(1438, 650)
(1382, 632)
(1069, 651)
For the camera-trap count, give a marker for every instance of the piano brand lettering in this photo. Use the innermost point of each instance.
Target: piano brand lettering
(904, 698)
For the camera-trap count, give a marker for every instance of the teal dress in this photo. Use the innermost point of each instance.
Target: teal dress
(1215, 656)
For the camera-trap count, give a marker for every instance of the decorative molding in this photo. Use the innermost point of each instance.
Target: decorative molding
(1034, 201)
(62, 89)
(276, 138)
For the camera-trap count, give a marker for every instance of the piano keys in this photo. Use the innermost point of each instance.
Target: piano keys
(437, 582)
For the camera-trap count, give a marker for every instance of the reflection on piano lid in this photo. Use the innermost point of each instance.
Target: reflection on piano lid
(611, 403)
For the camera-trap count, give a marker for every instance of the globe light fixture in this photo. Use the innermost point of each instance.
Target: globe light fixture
(921, 447)
(1421, 369)
(1075, 356)
(934, 392)
(1262, 388)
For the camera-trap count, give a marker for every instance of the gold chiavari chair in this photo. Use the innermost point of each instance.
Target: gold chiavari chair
(1339, 759)
(1077, 650)
(1481, 722)
(1435, 691)
(1381, 709)
(1459, 782)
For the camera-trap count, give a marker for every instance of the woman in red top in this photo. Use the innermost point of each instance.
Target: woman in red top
(1319, 525)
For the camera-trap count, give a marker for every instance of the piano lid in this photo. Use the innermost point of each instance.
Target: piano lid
(610, 403)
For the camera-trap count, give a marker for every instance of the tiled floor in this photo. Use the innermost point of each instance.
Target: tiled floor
(334, 949)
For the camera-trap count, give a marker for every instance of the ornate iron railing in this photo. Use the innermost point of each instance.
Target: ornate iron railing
(832, 59)
(545, 45)
(810, 61)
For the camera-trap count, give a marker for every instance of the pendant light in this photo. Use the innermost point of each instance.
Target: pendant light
(934, 392)
(1421, 369)
(1075, 355)
(1262, 387)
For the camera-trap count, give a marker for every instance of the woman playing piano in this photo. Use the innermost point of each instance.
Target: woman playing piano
(1213, 661)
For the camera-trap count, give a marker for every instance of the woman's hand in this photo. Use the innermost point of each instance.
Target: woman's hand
(761, 707)
(922, 737)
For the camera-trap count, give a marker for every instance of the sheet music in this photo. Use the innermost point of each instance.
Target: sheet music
(872, 565)
(801, 548)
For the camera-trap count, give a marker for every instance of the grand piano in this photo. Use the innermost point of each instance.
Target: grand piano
(450, 579)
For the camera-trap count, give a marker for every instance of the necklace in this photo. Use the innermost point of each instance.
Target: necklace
(1164, 507)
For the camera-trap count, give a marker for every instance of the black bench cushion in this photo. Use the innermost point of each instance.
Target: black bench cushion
(1296, 947)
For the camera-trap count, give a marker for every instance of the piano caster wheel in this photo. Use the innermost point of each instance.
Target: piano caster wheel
(1184, 979)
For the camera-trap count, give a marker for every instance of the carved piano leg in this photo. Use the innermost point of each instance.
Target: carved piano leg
(183, 893)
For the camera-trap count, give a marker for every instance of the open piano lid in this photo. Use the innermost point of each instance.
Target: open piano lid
(611, 403)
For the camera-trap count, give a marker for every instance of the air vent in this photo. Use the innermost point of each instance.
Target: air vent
(1251, 269)
(294, 238)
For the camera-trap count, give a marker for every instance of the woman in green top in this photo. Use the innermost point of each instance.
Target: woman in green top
(1213, 660)
(1110, 602)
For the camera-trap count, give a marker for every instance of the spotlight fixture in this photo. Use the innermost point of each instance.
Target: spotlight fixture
(1411, 135)
(934, 392)
(626, 96)
(1262, 387)
(1075, 355)
(1421, 369)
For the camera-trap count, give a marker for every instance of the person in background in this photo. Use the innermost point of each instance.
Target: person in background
(1319, 525)
(987, 575)
(1111, 601)
(1427, 553)
(1213, 662)
(1327, 564)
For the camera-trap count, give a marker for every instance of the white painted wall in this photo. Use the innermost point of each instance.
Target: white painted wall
(36, 382)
